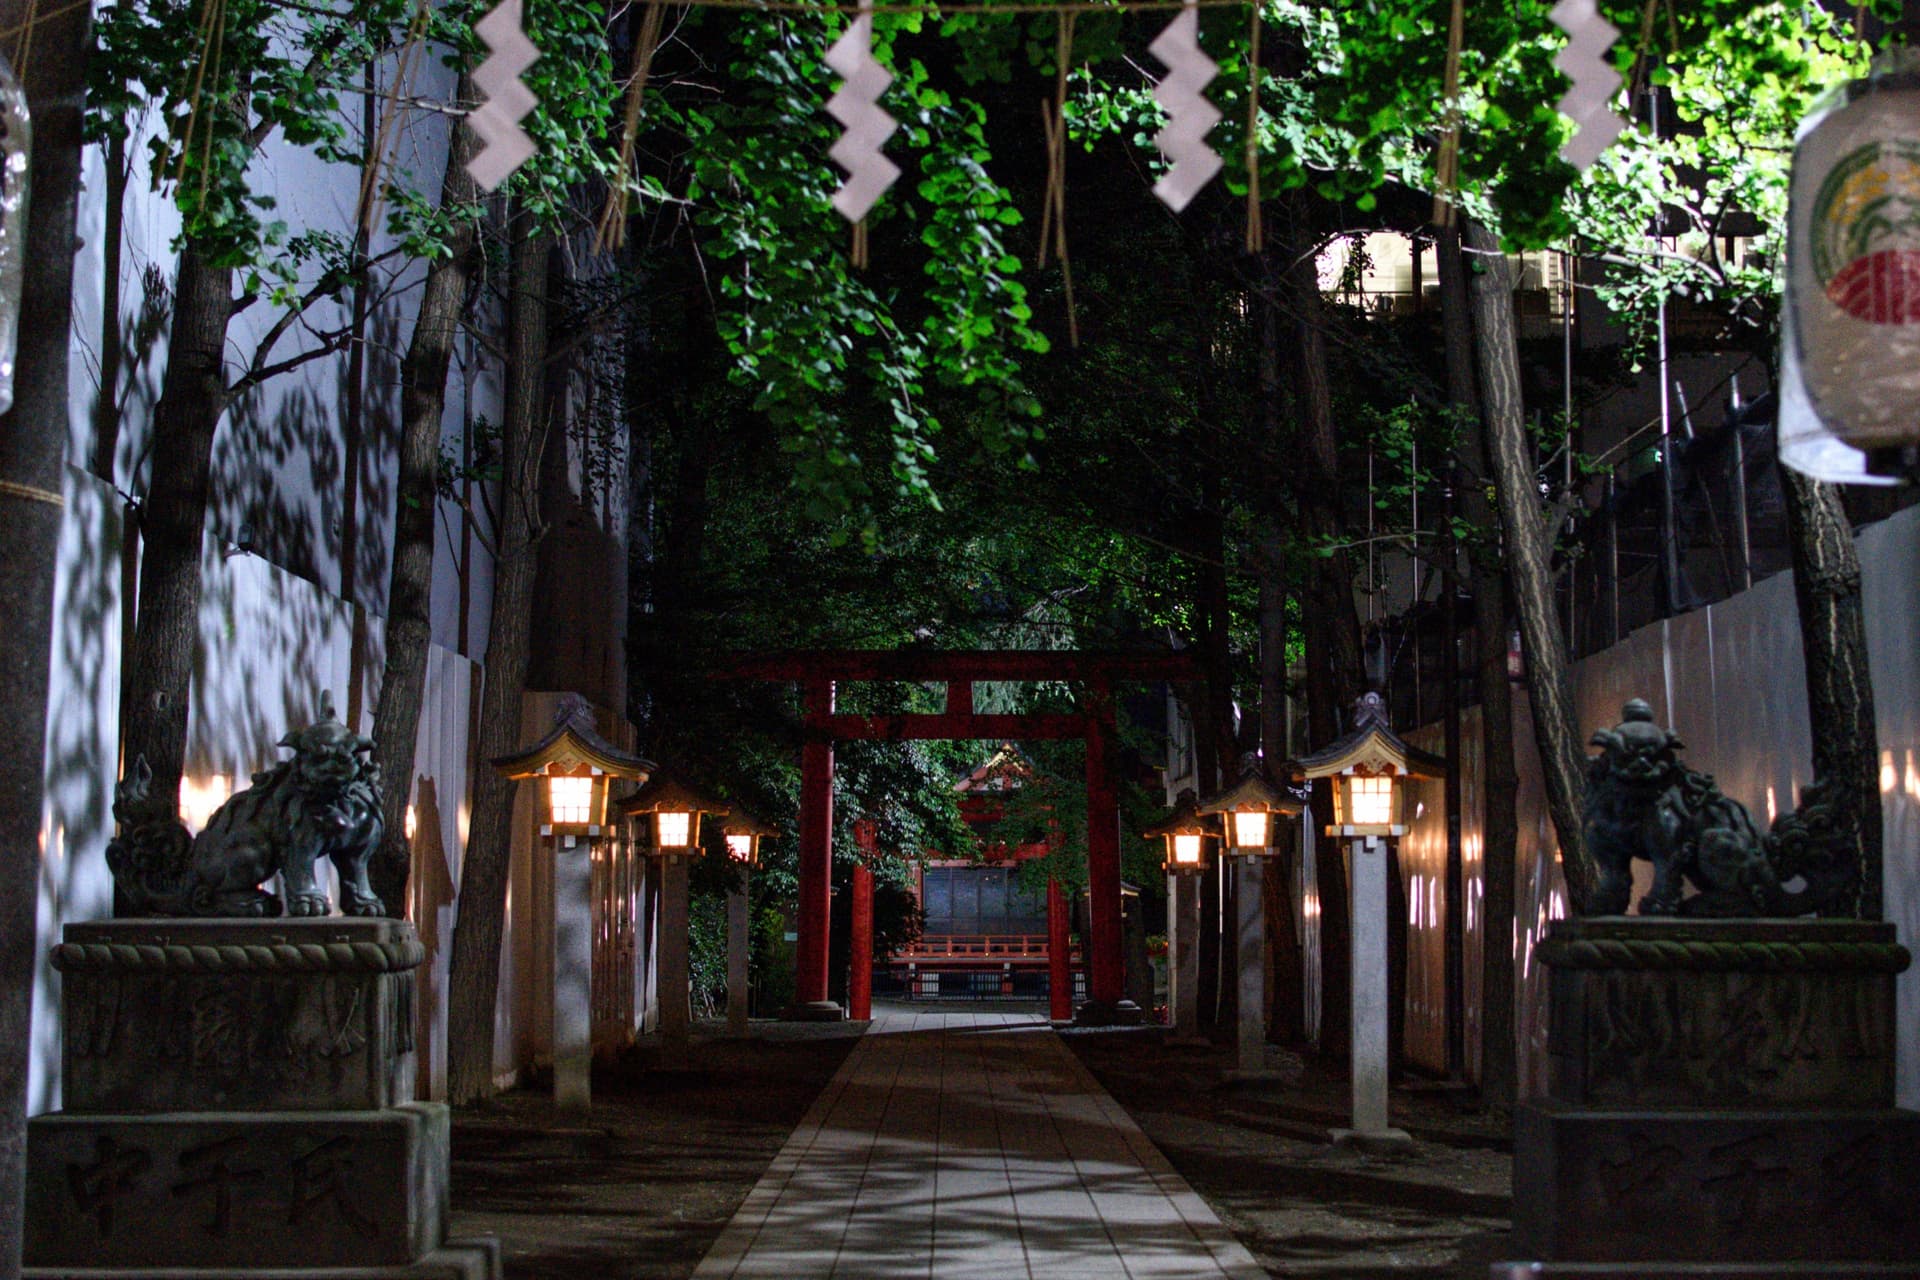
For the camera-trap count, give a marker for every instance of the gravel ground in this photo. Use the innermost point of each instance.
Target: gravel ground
(1260, 1155)
(640, 1190)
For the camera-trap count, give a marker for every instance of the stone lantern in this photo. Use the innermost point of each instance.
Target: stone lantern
(743, 833)
(1369, 768)
(1249, 812)
(1187, 833)
(673, 810)
(573, 768)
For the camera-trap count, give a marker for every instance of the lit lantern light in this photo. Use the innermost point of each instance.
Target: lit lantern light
(743, 833)
(574, 766)
(1369, 768)
(1850, 350)
(411, 825)
(1247, 809)
(675, 810)
(1186, 832)
(199, 801)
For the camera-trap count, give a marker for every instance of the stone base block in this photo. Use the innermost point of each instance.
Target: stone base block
(816, 1011)
(1703, 1271)
(237, 1015)
(248, 1191)
(1760, 1187)
(1380, 1142)
(1649, 1012)
(1121, 1013)
(477, 1259)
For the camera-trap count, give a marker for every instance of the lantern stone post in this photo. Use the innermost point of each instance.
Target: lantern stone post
(674, 810)
(860, 930)
(743, 834)
(1186, 833)
(574, 766)
(1247, 811)
(1369, 768)
(1059, 956)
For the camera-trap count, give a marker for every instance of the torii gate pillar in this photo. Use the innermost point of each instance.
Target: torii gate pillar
(816, 860)
(1105, 972)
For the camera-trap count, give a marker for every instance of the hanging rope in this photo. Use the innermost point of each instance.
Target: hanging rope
(1641, 62)
(1053, 209)
(34, 15)
(611, 231)
(23, 47)
(858, 254)
(1256, 230)
(213, 35)
(1446, 168)
(371, 192)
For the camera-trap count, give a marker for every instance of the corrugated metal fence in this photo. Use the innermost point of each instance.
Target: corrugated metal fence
(1731, 681)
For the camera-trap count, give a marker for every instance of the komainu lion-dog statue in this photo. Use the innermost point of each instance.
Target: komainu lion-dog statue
(1642, 802)
(322, 803)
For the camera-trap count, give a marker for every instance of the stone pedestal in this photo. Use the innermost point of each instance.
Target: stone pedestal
(573, 975)
(1720, 1095)
(676, 999)
(739, 940)
(1183, 956)
(1250, 950)
(240, 1102)
(1370, 1000)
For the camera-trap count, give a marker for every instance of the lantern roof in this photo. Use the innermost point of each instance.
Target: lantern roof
(1255, 792)
(665, 793)
(1185, 820)
(573, 747)
(1372, 747)
(738, 822)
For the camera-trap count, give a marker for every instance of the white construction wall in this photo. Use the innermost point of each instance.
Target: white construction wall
(1731, 681)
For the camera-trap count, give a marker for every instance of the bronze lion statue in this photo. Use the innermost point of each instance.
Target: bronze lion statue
(324, 802)
(1643, 802)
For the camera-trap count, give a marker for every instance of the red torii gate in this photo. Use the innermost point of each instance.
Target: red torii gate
(819, 671)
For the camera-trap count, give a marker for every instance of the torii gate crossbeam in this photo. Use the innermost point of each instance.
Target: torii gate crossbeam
(819, 672)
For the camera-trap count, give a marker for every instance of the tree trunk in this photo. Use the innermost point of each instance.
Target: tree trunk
(106, 410)
(1219, 987)
(1499, 771)
(1833, 634)
(33, 443)
(409, 633)
(474, 973)
(1287, 1020)
(1335, 664)
(1529, 547)
(193, 395)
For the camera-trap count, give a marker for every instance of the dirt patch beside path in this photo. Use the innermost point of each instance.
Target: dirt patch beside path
(639, 1189)
(1260, 1156)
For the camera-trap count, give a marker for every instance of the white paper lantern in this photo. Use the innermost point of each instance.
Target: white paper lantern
(1853, 279)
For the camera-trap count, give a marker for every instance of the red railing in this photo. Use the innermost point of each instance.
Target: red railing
(978, 946)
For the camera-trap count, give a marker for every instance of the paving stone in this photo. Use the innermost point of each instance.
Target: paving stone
(971, 1147)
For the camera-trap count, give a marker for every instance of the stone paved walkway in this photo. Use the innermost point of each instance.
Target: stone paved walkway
(971, 1146)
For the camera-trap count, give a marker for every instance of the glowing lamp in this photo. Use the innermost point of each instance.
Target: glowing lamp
(199, 801)
(743, 834)
(574, 767)
(1186, 832)
(1248, 807)
(1369, 769)
(673, 811)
